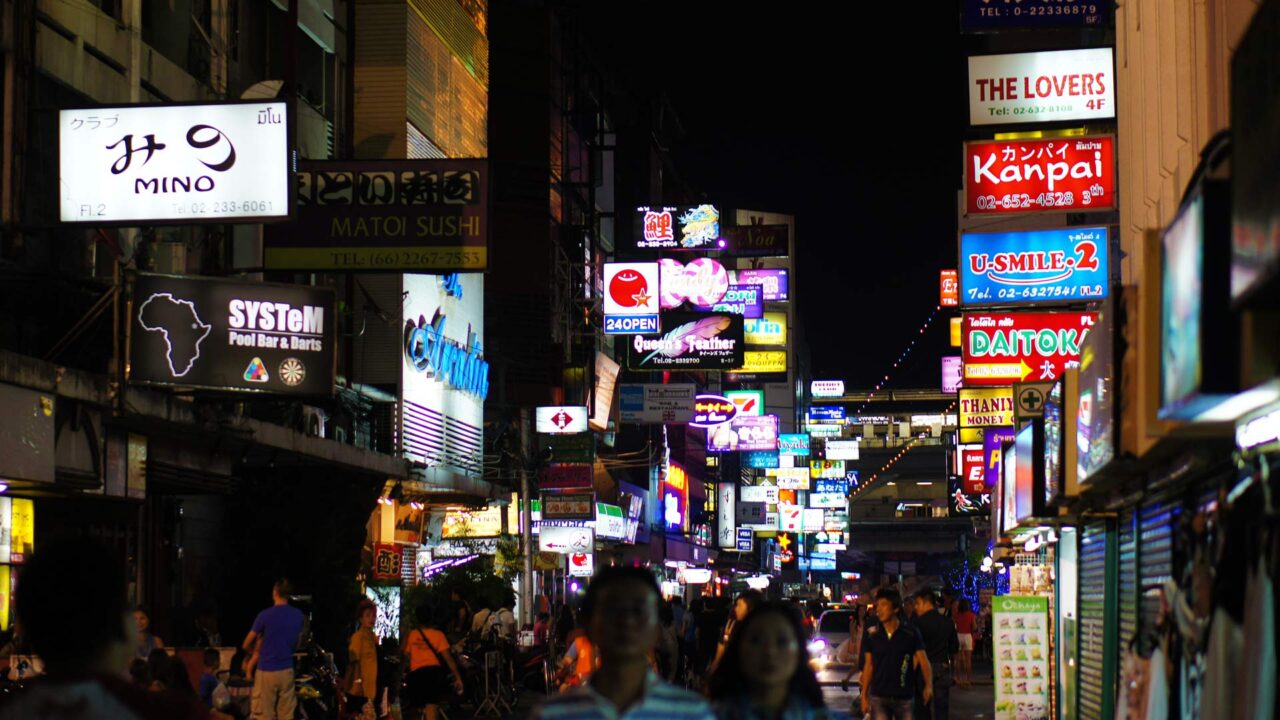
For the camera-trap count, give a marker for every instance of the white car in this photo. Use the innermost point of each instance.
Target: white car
(832, 630)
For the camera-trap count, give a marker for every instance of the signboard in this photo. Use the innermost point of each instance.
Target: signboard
(1004, 348)
(566, 540)
(602, 400)
(1004, 14)
(955, 332)
(631, 298)
(745, 540)
(694, 341)
(1018, 176)
(744, 300)
(568, 506)
(167, 164)
(757, 240)
(773, 280)
(1021, 636)
(826, 389)
(389, 215)
(758, 432)
(992, 440)
(972, 469)
(835, 487)
(766, 494)
(1040, 266)
(556, 419)
(1028, 400)
(963, 504)
(761, 460)
(581, 564)
(763, 361)
(827, 500)
(826, 413)
(813, 520)
(986, 407)
(570, 448)
(675, 498)
(472, 524)
(824, 430)
(701, 282)
(726, 513)
(712, 410)
(796, 444)
(387, 558)
(1037, 87)
(790, 517)
(561, 475)
(768, 330)
(610, 522)
(656, 403)
(949, 289)
(748, 402)
(790, 478)
(842, 450)
(952, 369)
(228, 335)
(678, 228)
(833, 469)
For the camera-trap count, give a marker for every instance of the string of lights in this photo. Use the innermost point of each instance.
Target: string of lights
(907, 448)
(901, 359)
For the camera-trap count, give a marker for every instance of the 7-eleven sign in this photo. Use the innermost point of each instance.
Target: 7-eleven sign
(972, 471)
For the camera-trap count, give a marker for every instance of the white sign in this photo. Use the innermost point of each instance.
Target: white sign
(1041, 87)
(824, 430)
(701, 281)
(760, 494)
(790, 518)
(813, 520)
(561, 419)
(726, 512)
(631, 298)
(656, 403)
(183, 163)
(695, 576)
(581, 564)
(826, 388)
(790, 478)
(827, 500)
(566, 540)
(842, 450)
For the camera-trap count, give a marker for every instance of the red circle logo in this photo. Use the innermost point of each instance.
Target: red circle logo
(629, 289)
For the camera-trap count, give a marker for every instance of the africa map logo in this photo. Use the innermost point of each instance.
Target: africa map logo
(181, 326)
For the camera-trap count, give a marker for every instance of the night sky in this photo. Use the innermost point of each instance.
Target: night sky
(790, 108)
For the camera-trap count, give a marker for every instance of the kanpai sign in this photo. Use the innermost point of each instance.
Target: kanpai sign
(1018, 176)
(1004, 348)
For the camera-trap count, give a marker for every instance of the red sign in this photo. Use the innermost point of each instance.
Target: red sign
(1004, 348)
(565, 476)
(973, 470)
(657, 226)
(1017, 176)
(386, 561)
(950, 288)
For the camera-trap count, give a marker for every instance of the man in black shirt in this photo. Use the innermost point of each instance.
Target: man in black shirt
(891, 653)
(940, 644)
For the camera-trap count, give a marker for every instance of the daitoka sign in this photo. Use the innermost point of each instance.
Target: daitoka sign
(693, 341)
(226, 162)
(228, 335)
(1042, 266)
(1020, 176)
(444, 376)
(1041, 87)
(386, 215)
(1004, 348)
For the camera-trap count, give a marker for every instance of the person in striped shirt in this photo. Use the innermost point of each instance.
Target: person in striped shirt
(620, 611)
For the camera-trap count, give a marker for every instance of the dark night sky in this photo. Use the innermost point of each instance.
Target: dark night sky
(847, 121)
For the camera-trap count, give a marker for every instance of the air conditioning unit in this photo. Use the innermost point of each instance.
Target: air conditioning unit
(314, 421)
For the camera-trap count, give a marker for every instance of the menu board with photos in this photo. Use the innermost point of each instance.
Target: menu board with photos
(1021, 644)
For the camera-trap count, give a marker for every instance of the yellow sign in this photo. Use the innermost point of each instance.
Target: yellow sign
(956, 332)
(986, 407)
(768, 330)
(970, 436)
(764, 361)
(1013, 372)
(468, 524)
(24, 530)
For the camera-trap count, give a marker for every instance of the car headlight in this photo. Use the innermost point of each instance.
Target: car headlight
(816, 646)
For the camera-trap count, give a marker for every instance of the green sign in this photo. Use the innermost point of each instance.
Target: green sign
(1020, 633)
(577, 448)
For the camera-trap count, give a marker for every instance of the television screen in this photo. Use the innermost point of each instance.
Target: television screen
(1024, 474)
(1094, 398)
(1053, 441)
(1182, 265)
(1008, 487)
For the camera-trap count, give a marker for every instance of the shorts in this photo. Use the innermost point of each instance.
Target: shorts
(966, 641)
(427, 685)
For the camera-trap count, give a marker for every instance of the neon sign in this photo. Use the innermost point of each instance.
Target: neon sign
(675, 498)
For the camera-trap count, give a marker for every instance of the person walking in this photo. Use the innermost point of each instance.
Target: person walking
(966, 629)
(891, 651)
(940, 645)
(747, 601)
(765, 673)
(275, 635)
(430, 663)
(361, 679)
(620, 611)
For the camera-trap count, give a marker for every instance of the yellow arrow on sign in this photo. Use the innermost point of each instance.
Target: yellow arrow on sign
(997, 371)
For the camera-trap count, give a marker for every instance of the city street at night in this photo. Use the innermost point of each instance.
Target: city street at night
(622, 360)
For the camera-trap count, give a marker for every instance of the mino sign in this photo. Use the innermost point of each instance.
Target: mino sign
(1004, 348)
(1021, 176)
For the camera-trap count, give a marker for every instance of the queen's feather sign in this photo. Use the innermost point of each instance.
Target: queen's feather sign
(690, 341)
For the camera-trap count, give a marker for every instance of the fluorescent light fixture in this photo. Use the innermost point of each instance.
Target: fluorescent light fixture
(1234, 407)
(924, 482)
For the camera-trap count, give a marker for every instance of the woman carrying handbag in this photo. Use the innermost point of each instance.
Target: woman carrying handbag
(427, 683)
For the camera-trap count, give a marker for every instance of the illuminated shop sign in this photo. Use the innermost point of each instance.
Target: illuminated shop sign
(1005, 348)
(630, 298)
(790, 478)
(561, 419)
(952, 369)
(768, 330)
(986, 407)
(678, 228)
(759, 432)
(675, 498)
(702, 282)
(1039, 87)
(949, 289)
(748, 402)
(1018, 176)
(763, 361)
(830, 469)
(712, 410)
(826, 413)
(693, 341)
(1033, 267)
(744, 300)
(773, 280)
(826, 388)
(796, 444)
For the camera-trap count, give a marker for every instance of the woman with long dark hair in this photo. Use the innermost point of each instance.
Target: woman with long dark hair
(742, 607)
(765, 671)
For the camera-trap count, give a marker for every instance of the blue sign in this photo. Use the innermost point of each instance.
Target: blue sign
(1000, 14)
(1042, 266)
(760, 459)
(826, 413)
(816, 563)
(832, 487)
(744, 300)
(628, 324)
(746, 539)
(795, 444)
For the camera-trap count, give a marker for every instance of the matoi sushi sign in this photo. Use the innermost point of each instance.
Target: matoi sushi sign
(1004, 348)
(1018, 176)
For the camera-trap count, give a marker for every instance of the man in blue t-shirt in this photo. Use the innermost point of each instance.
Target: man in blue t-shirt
(275, 634)
(891, 653)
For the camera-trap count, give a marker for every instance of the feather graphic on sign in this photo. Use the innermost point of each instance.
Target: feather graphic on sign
(704, 329)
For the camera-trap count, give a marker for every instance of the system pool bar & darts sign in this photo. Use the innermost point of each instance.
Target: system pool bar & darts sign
(1042, 266)
(227, 335)
(1004, 348)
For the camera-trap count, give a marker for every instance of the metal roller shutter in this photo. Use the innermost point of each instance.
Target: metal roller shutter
(1155, 555)
(1097, 640)
(1128, 600)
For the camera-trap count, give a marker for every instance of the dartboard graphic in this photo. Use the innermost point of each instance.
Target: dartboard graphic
(292, 371)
